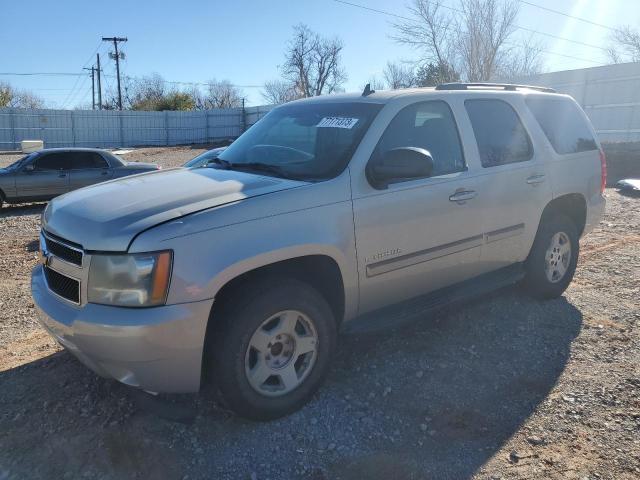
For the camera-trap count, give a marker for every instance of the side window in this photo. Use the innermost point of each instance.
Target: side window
(562, 123)
(52, 161)
(429, 125)
(85, 160)
(500, 135)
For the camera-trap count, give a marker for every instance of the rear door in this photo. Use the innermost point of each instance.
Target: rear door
(514, 182)
(88, 168)
(49, 177)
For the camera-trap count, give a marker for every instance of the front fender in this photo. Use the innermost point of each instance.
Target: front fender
(206, 260)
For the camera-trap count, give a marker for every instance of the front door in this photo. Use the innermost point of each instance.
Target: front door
(48, 178)
(419, 235)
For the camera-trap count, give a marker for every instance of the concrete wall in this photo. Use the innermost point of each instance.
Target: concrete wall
(610, 95)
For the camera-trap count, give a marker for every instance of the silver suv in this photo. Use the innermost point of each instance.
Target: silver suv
(326, 210)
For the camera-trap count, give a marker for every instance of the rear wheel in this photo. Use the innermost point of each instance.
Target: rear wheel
(553, 257)
(274, 349)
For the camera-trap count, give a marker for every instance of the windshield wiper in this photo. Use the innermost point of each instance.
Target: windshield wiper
(218, 161)
(259, 167)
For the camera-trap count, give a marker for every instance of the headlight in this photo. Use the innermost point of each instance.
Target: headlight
(130, 280)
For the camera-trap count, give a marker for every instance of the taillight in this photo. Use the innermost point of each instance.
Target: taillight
(603, 171)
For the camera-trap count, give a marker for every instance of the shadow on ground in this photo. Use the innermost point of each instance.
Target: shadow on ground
(435, 398)
(21, 209)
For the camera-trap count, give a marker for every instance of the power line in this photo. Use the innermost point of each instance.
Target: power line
(384, 12)
(201, 84)
(59, 74)
(70, 74)
(74, 93)
(558, 12)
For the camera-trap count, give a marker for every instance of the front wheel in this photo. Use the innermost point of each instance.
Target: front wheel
(553, 257)
(274, 349)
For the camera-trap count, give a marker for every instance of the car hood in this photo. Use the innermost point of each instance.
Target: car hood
(108, 216)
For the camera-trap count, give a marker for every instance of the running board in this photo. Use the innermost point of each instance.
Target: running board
(396, 315)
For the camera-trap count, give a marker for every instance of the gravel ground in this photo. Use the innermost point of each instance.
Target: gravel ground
(500, 388)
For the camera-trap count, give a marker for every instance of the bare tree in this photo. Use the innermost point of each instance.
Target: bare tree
(11, 97)
(146, 92)
(487, 24)
(431, 31)
(375, 83)
(471, 41)
(397, 76)
(625, 45)
(312, 63)
(523, 61)
(276, 92)
(222, 94)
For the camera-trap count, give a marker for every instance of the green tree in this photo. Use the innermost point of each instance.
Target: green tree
(176, 101)
(433, 74)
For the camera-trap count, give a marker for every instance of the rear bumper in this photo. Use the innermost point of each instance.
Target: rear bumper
(156, 349)
(595, 211)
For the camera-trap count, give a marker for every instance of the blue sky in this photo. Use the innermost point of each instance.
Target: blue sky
(243, 40)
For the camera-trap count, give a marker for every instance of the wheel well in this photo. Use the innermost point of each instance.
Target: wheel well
(319, 271)
(572, 205)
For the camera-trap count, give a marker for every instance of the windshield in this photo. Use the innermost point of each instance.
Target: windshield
(204, 157)
(306, 142)
(22, 161)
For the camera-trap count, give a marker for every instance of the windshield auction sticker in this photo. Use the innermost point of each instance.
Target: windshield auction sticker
(337, 122)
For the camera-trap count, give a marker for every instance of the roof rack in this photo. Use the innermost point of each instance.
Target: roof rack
(505, 86)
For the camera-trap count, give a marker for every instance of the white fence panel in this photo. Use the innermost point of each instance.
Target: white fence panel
(108, 128)
(610, 95)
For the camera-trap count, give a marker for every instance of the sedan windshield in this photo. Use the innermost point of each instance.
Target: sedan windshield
(22, 161)
(305, 141)
(204, 158)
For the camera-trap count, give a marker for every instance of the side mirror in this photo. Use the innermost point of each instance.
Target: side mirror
(403, 163)
(29, 167)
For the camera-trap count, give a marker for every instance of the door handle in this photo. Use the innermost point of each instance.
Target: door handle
(62, 175)
(104, 172)
(462, 195)
(535, 179)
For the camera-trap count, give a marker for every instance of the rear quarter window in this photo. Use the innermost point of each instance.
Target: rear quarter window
(563, 124)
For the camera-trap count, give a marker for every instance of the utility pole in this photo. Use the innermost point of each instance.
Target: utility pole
(116, 56)
(99, 84)
(93, 87)
(244, 117)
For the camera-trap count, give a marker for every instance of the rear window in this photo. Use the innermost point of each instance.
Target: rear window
(501, 137)
(87, 160)
(563, 124)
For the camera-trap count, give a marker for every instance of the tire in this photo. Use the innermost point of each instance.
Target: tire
(550, 267)
(257, 339)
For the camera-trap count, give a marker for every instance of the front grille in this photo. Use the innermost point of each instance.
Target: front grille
(62, 285)
(63, 251)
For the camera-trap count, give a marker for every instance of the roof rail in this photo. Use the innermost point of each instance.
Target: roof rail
(505, 86)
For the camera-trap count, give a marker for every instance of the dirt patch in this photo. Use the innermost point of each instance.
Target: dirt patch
(504, 387)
